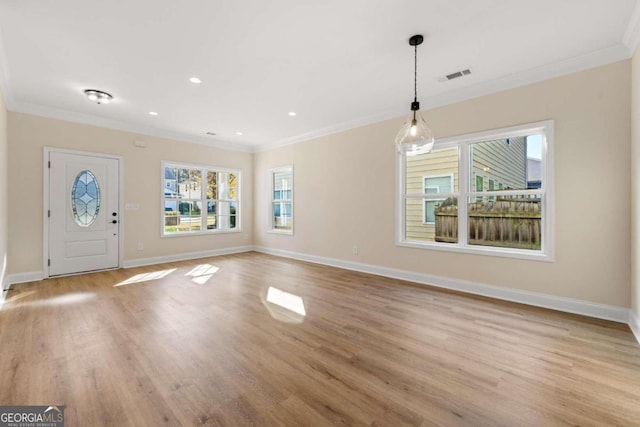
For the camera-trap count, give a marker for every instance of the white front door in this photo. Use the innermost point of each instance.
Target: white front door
(83, 213)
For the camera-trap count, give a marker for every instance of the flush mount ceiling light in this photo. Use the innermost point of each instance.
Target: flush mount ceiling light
(98, 96)
(415, 137)
(292, 113)
(195, 80)
(153, 113)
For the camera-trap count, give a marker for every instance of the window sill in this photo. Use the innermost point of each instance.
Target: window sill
(285, 232)
(522, 254)
(200, 233)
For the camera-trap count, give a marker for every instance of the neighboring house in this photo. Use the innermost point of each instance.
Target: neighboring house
(170, 179)
(496, 165)
(534, 173)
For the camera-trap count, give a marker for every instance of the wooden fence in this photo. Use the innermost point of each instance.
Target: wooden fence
(512, 223)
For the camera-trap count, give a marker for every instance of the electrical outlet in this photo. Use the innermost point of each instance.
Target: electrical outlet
(140, 246)
(355, 250)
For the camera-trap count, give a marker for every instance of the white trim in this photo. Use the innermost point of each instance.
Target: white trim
(75, 117)
(186, 256)
(270, 215)
(467, 190)
(31, 276)
(608, 55)
(614, 53)
(120, 159)
(631, 36)
(569, 305)
(46, 205)
(203, 199)
(5, 85)
(634, 324)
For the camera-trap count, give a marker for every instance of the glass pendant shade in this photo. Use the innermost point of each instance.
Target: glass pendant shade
(415, 137)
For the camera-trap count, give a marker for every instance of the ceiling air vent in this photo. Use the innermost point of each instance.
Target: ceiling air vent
(455, 75)
(211, 133)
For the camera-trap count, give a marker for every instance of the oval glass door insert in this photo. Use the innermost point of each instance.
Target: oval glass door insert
(85, 198)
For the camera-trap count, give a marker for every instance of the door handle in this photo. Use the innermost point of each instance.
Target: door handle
(115, 221)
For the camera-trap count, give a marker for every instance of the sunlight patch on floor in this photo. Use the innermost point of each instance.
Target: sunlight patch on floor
(286, 300)
(202, 273)
(145, 277)
(66, 299)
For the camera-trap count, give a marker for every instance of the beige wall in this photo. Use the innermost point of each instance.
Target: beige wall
(4, 198)
(345, 189)
(635, 184)
(28, 135)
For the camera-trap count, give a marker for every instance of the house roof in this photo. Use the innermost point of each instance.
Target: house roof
(336, 64)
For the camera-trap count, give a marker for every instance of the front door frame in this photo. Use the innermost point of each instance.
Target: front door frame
(46, 204)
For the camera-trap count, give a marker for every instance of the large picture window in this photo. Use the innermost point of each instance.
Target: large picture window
(199, 199)
(487, 193)
(281, 193)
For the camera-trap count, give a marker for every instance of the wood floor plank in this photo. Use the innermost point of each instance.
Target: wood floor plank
(202, 343)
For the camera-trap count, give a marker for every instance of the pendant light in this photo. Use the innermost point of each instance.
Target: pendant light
(415, 137)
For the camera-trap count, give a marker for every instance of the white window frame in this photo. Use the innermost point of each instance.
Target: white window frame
(464, 193)
(271, 228)
(203, 198)
(432, 199)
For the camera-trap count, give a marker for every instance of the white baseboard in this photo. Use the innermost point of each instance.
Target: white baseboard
(586, 308)
(185, 256)
(30, 276)
(634, 324)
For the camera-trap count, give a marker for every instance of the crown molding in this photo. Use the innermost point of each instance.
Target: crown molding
(337, 128)
(609, 55)
(5, 87)
(87, 119)
(631, 36)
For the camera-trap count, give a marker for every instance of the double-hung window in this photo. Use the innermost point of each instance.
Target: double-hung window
(199, 199)
(488, 193)
(281, 207)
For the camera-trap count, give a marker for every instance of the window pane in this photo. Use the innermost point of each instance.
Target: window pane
(282, 184)
(211, 215)
(171, 183)
(85, 198)
(282, 216)
(183, 182)
(431, 220)
(212, 185)
(227, 186)
(507, 221)
(438, 184)
(513, 162)
(227, 214)
(435, 169)
(194, 185)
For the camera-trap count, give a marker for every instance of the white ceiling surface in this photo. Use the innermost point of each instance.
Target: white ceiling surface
(336, 63)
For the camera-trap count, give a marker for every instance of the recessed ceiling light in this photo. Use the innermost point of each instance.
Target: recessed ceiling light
(98, 96)
(292, 113)
(238, 133)
(153, 113)
(195, 80)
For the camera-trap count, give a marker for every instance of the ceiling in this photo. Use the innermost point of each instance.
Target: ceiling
(337, 64)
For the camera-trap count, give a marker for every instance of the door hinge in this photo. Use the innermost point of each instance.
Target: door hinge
(49, 262)
(49, 213)
(49, 164)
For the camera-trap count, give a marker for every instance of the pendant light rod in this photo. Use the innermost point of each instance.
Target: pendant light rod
(415, 41)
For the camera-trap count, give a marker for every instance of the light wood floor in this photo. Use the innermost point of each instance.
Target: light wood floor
(198, 344)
